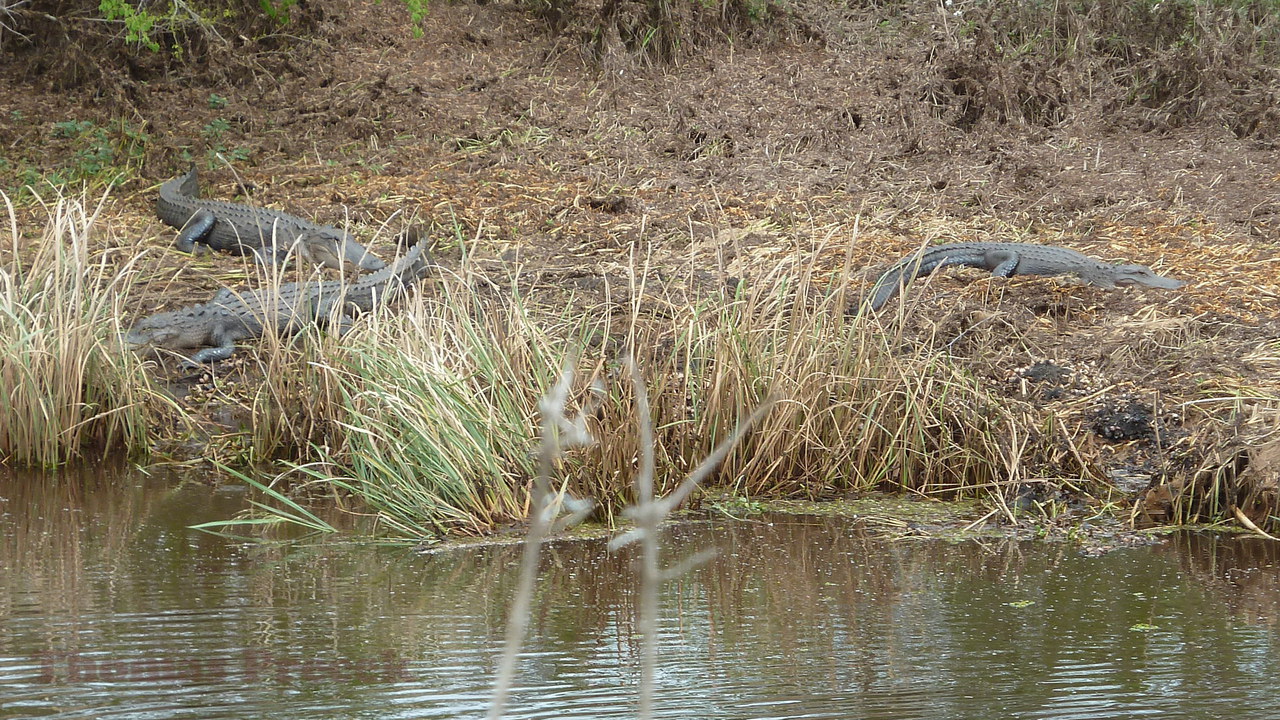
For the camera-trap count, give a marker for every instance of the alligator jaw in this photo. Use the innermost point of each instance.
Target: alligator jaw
(1143, 275)
(360, 256)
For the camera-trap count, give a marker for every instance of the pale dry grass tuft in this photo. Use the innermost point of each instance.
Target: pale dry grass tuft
(67, 379)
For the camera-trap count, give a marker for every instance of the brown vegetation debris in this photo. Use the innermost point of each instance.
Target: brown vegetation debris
(551, 150)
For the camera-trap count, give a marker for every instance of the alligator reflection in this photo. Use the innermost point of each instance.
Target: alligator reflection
(107, 600)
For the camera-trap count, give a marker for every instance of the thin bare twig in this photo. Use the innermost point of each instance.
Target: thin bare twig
(649, 513)
(559, 432)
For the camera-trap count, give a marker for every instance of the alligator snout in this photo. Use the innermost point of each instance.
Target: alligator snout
(360, 255)
(335, 251)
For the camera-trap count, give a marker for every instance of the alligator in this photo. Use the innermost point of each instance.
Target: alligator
(1009, 259)
(270, 236)
(230, 316)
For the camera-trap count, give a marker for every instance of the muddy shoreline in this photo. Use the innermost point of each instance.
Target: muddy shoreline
(616, 188)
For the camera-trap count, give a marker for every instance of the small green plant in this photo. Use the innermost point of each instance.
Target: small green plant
(143, 22)
(739, 507)
(72, 128)
(277, 10)
(757, 10)
(138, 22)
(214, 133)
(216, 128)
(417, 13)
(217, 102)
(95, 155)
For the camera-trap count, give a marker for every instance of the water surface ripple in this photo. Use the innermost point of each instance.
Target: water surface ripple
(111, 608)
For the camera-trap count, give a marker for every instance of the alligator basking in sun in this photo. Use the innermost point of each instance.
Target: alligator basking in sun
(233, 315)
(1009, 259)
(270, 236)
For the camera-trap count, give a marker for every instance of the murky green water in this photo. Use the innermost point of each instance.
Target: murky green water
(111, 608)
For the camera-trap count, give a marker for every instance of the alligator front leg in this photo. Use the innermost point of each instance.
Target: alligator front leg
(196, 229)
(222, 343)
(208, 355)
(1003, 263)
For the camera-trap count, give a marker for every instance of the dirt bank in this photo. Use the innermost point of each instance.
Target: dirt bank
(575, 163)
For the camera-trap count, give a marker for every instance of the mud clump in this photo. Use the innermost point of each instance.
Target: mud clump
(1122, 422)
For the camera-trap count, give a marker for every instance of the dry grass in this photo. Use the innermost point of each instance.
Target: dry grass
(66, 378)
(433, 411)
(435, 407)
(857, 407)
(1231, 472)
(1173, 62)
(290, 407)
(424, 410)
(426, 418)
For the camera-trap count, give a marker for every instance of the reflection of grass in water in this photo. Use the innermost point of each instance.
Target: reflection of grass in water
(67, 380)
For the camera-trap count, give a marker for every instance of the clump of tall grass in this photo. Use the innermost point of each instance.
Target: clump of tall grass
(291, 402)
(1230, 472)
(857, 408)
(433, 413)
(68, 382)
(436, 404)
(287, 398)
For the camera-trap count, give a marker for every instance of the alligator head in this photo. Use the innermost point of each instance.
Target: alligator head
(174, 330)
(334, 250)
(1143, 275)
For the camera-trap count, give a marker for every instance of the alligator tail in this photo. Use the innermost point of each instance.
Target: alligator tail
(887, 287)
(190, 183)
(414, 263)
(892, 280)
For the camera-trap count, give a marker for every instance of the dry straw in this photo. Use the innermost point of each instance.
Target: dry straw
(68, 381)
(426, 418)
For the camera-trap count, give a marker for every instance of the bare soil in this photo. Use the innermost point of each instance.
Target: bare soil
(846, 136)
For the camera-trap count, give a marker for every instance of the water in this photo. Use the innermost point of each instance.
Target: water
(111, 608)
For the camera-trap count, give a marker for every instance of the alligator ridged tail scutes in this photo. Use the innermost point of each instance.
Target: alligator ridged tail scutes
(1009, 259)
(270, 236)
(216, 325)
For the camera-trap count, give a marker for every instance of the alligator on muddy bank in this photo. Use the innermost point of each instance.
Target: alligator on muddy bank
(270, 236)
(1009, 259)
(230, 316)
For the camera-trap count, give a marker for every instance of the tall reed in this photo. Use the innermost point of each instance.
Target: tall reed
(295, 401)
(434, 426)
(67, 380)
(436, 404)
(857, 408)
